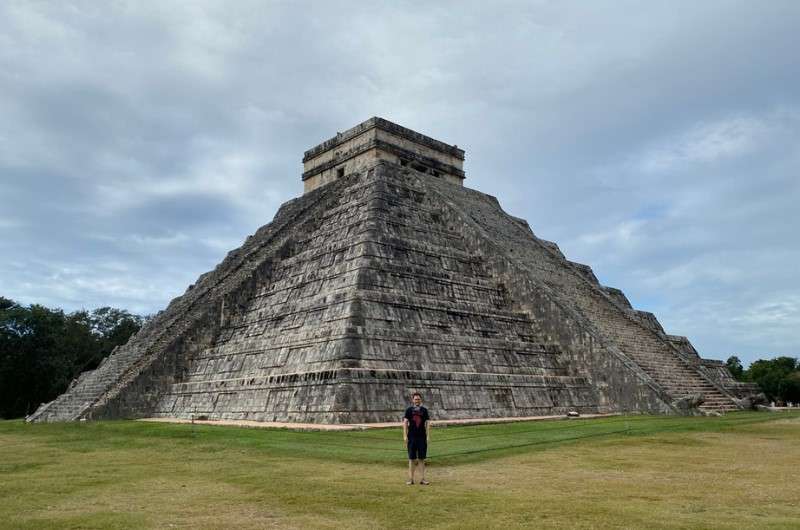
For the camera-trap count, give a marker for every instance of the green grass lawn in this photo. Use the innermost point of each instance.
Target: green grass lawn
(737, 471)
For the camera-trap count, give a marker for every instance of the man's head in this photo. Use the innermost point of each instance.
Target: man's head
(416, 399)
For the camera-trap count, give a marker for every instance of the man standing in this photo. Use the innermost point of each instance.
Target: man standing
(416, 435)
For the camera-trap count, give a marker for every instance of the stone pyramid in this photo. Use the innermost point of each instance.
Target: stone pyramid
(389, 276)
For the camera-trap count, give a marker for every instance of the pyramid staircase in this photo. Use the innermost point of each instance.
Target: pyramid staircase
(94, 389)
(617, 325)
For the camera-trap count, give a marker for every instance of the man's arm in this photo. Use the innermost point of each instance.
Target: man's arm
(405, 430)
(427, 426)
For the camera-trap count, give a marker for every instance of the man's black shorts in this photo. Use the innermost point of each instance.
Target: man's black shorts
(417, 449)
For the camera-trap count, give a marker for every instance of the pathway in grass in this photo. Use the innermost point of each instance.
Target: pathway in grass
(662, 471)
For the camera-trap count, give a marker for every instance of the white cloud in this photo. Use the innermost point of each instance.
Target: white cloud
(716, 141)
(782, 312)
(702, 270)
(706, 142)
(626, 234)
(10, 223)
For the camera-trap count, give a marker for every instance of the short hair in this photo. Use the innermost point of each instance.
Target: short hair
(416, 394)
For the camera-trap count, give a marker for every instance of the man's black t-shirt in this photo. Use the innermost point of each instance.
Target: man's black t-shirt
(417, 418)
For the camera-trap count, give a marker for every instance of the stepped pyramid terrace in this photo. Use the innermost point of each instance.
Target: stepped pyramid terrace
(389, 276)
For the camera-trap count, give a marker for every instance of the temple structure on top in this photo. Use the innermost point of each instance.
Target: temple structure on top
(379, 139)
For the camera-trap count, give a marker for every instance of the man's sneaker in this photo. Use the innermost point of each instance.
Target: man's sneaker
(424, 482)
(409, 482)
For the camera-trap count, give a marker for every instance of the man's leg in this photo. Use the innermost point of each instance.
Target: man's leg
(412, 460)
(423, 454)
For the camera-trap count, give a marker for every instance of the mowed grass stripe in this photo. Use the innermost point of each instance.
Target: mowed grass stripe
(380, 445)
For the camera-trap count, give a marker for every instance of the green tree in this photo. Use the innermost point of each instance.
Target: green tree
(111, 327)
(735, 367)
(36, 351)
(5, 303)
(790, 389)
(42, 350)
(779, 378)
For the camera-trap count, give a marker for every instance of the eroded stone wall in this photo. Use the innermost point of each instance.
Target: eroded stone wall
(384, 282)
(383, 297)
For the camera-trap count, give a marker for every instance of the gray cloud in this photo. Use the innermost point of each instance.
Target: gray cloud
(656, 142)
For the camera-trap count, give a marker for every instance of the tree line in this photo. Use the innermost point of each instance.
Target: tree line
(42, 350)
(778, 378)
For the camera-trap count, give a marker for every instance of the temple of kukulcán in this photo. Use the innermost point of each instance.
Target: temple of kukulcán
(389, 276)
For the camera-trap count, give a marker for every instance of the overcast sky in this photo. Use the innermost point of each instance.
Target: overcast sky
(657, 142)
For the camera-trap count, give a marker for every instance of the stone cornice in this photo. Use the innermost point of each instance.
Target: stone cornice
(387, 126)
(388, 147)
